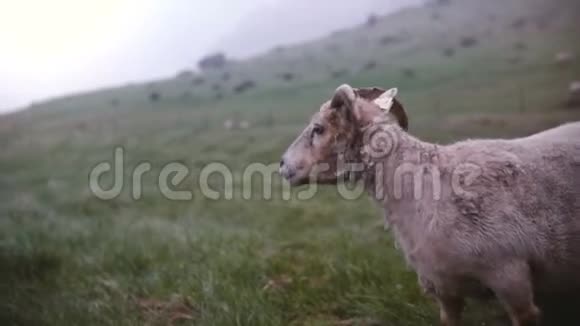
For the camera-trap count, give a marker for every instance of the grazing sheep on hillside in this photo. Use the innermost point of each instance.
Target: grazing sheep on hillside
(574, 87)
(232, 124)
(471, 217)
(574, 97)
(229, 124)
(563, 57)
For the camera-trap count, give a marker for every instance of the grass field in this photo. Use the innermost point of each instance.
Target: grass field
(69, 258)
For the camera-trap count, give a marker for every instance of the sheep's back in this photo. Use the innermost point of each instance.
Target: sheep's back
(527, 200)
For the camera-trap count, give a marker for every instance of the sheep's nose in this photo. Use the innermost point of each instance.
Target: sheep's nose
(286, 171)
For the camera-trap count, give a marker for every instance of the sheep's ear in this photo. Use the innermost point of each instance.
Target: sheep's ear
(343, 96)
(343, 100)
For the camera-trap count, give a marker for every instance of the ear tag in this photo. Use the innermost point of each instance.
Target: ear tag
(385, 101)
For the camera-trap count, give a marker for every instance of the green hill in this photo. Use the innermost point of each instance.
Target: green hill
(463, 69)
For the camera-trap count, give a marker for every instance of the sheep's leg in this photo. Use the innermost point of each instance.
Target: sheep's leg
(513, 287)
(450, 309)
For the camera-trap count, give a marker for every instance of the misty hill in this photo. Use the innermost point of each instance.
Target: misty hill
(293, 21)
(409, 48)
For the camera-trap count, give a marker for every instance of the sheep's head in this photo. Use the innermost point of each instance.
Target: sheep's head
(335, 134)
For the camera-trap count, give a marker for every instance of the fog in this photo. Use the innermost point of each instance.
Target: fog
(50, 48)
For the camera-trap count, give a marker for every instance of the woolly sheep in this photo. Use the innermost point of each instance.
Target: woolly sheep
(474, 216)
(229, 124)
(574, 87)
(574, 94)
(563, 57)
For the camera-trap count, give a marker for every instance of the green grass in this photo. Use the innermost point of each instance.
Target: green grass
(68, 258)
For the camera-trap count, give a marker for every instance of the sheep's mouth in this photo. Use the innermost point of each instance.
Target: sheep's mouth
(300, 179)
(290, 175)
(303, 176)
(296, 180)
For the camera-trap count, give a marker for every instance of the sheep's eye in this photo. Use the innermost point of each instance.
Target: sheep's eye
(317, 130)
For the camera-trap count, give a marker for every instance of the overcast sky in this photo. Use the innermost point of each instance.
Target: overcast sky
(52, 47)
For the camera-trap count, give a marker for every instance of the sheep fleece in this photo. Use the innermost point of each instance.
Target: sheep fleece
(523, 205)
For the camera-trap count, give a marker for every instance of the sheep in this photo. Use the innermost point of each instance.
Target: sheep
(574, 87)
(563, 57)
(228, 124)
(574, 95)
(477, 216)
(232, 124)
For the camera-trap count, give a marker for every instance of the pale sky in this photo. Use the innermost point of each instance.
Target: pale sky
(54, 47)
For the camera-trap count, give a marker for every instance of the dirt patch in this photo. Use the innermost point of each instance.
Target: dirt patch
(173, 311)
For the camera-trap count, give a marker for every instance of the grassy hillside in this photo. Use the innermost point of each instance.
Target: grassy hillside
(465, 69)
